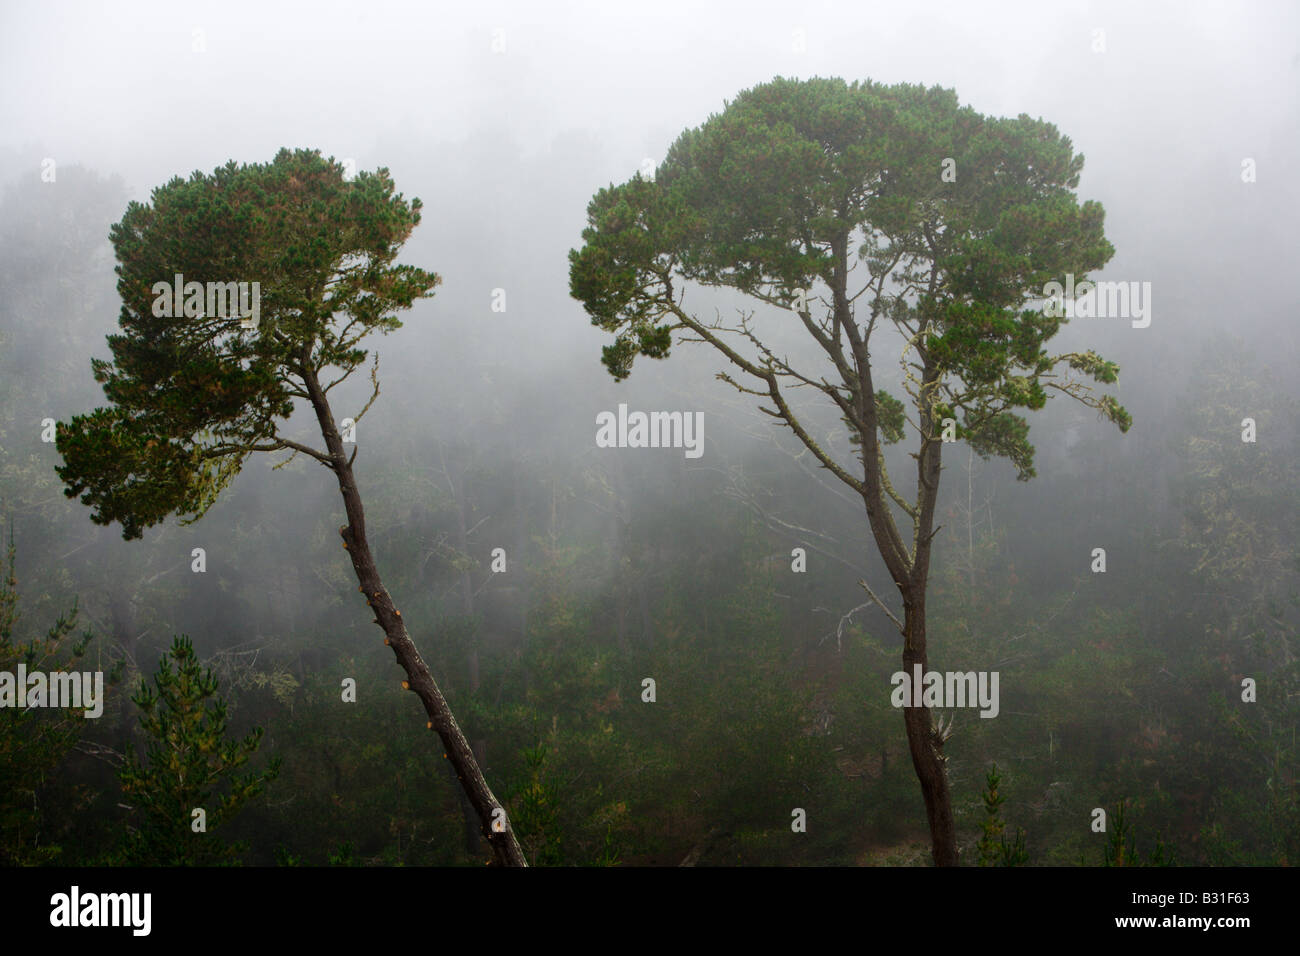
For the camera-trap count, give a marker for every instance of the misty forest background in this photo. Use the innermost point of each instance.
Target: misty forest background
(1122, 688)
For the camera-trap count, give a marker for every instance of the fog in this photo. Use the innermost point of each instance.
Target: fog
(505, 120)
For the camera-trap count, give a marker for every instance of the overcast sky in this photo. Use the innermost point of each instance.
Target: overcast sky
(1165, 100)
(150, 88)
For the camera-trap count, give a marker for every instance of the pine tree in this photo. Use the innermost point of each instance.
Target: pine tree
(33, 741)
(536, 813)
(189, 765)
(994, 850)
(798, 184)
(196, 385)
(1121, 848)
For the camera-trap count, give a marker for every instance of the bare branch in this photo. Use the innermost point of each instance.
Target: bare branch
(218, 451)
(839, 629)
(881, 604)
(769, 376)
(889, 487)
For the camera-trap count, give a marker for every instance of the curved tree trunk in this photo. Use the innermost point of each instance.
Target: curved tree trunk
(926, 745)
(911, 574)
(909, 567)
(923, 740)
(505, 847)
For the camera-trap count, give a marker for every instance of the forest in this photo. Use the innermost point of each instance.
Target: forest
(755, 504)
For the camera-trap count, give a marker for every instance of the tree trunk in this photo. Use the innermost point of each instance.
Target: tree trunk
(505, 847)
(910, 573)
(473, 840)
(924, 742)
(926, 746)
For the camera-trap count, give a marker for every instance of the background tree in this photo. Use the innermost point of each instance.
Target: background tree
(994, 848)
(1238, 552)
(960, 220)
(188, 764)
(194, 395)
(33, 741)
(1120, 848)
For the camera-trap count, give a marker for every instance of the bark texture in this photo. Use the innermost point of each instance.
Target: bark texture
(494, 826)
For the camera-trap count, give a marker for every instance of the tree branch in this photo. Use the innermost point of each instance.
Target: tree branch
(881, 604)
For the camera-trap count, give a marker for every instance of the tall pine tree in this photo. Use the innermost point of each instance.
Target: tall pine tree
(195, 388)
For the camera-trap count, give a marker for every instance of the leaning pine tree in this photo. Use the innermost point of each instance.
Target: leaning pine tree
(847, 209)
(195, 389)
